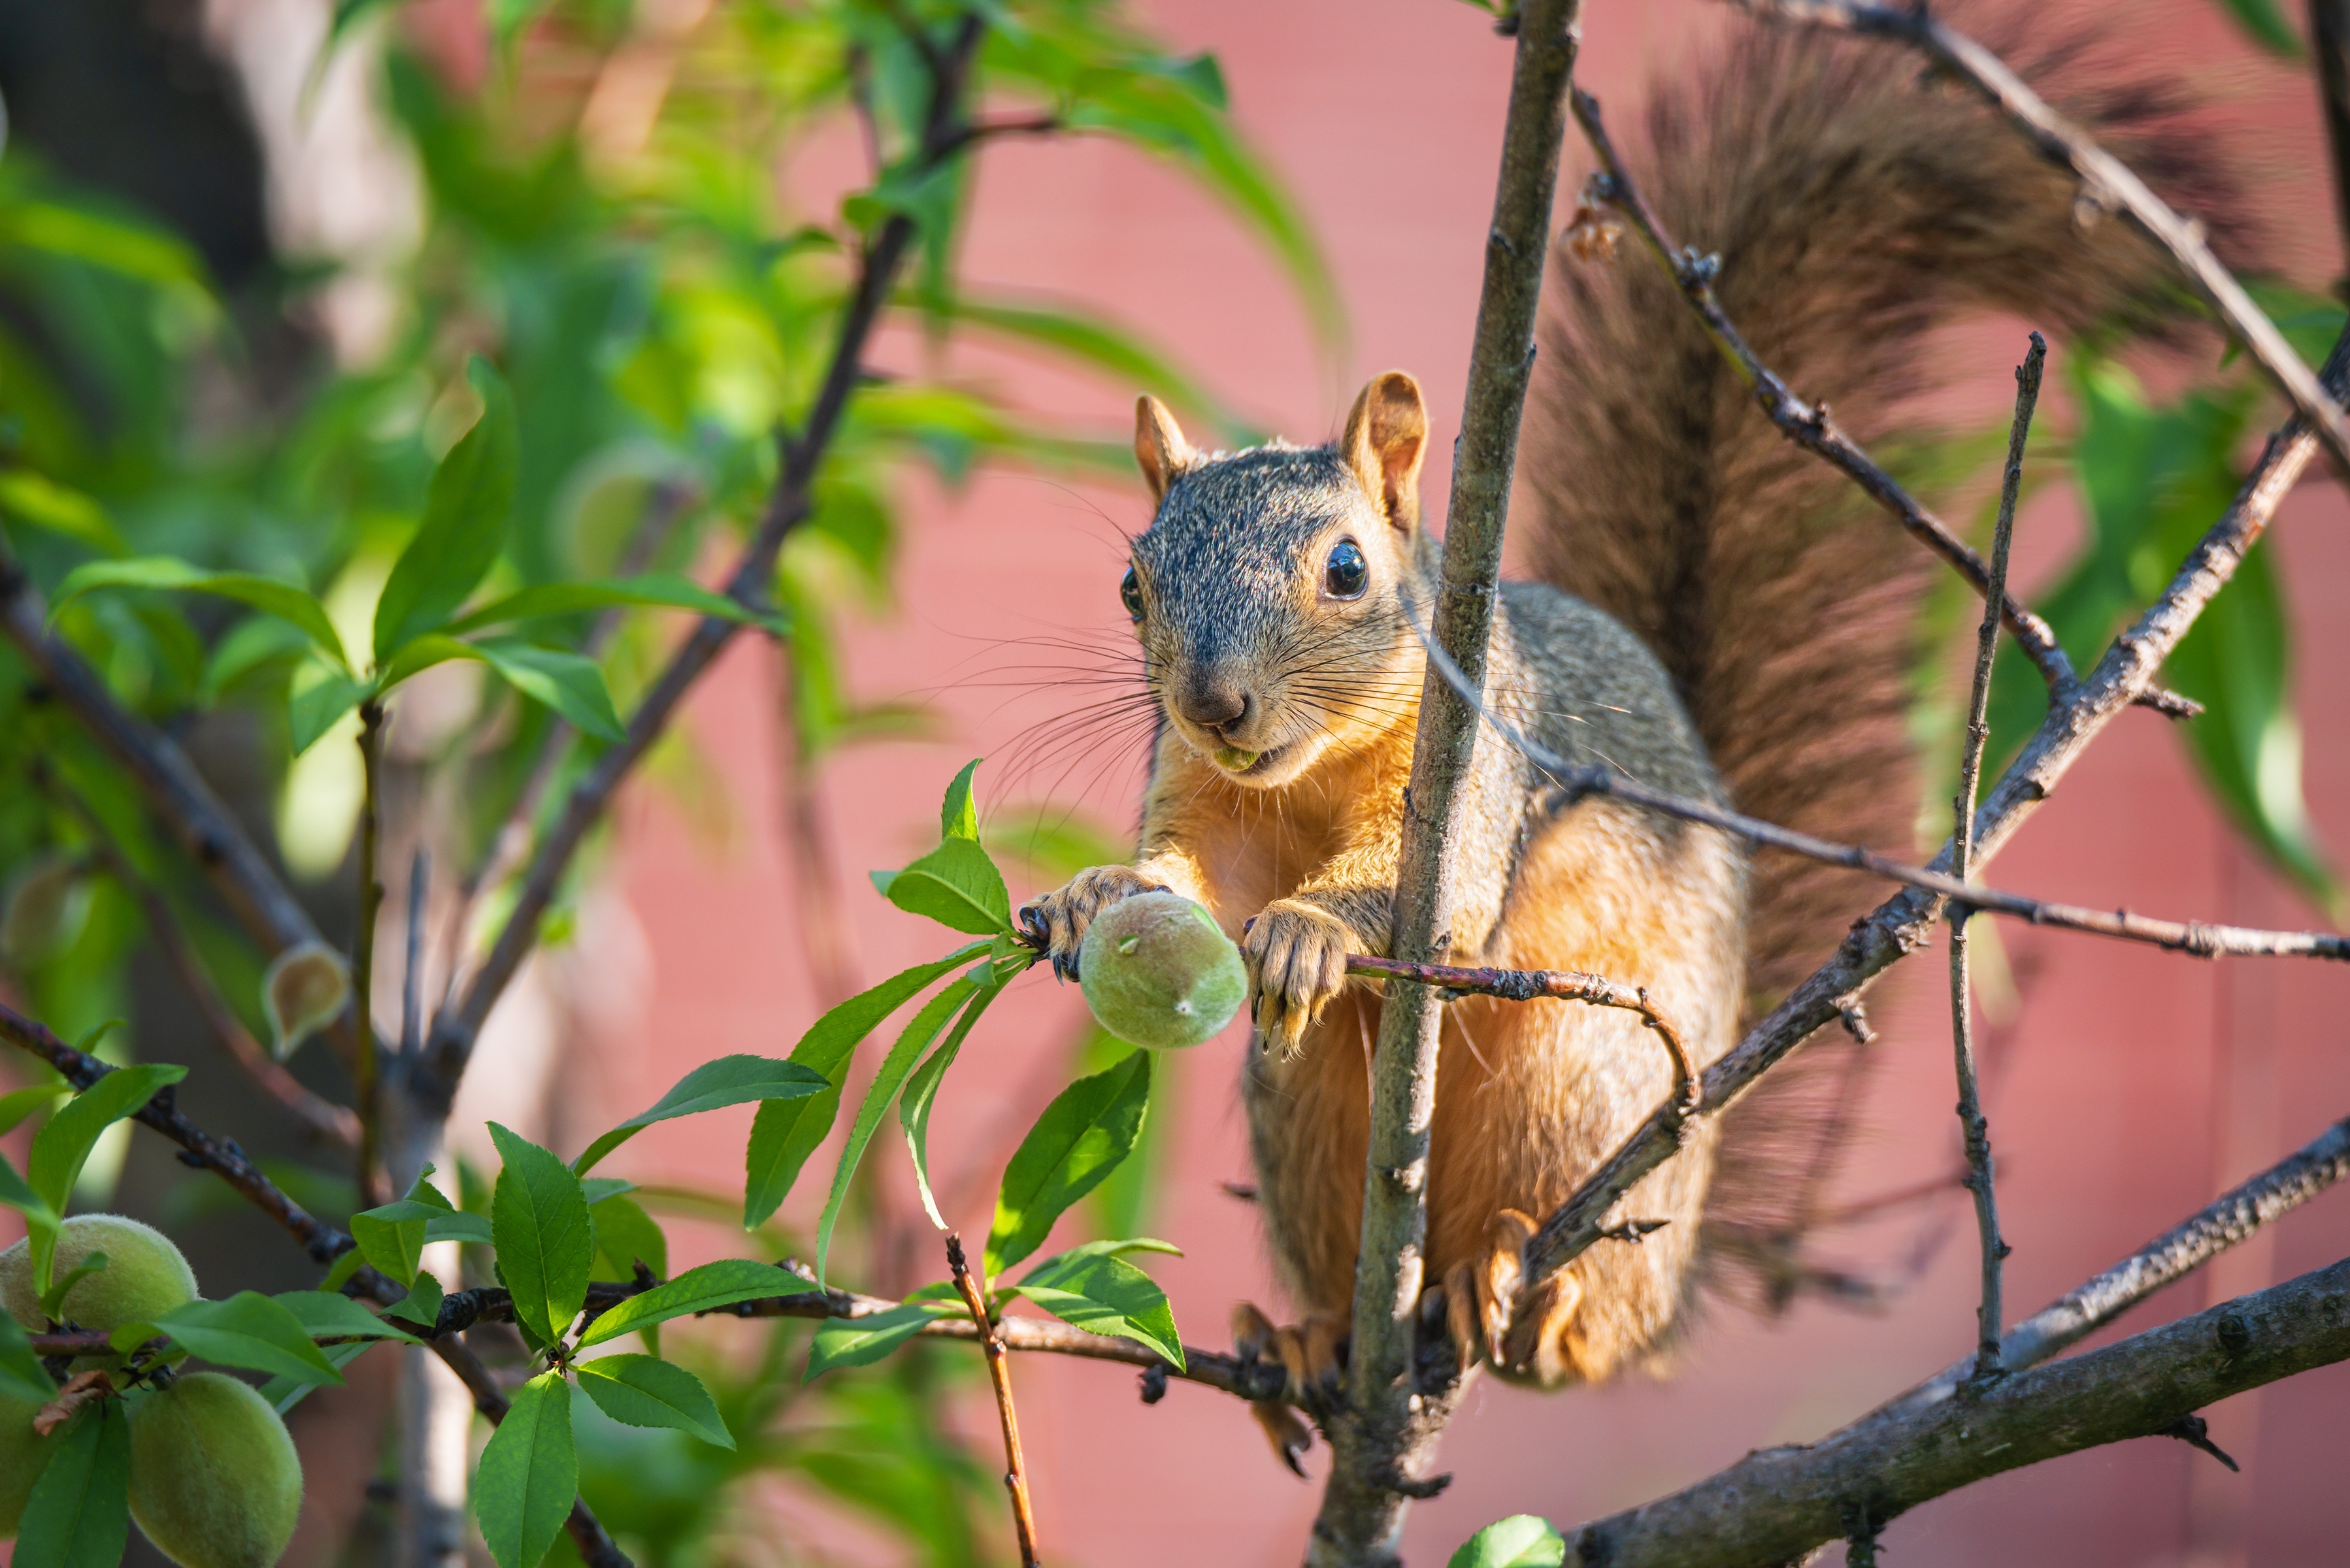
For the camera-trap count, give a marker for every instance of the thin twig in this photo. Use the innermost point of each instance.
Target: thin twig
(1809, 426)
(1974, 1130)
(1381, 1440)
(321, 1116)
(1902, 924)
(1564, 985)
(2106, 183)
(974, 1291)
(366, 1077)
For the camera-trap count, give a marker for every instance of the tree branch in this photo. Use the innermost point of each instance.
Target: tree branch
(1807, 424)
(434, 1078)
(1387, 1425)
(2106, 183)
(1777, 1504)
(1974, 1131)
(1902, 924)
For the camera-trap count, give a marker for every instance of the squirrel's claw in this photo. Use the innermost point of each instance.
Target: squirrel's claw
(1296, 955)
(1055, 924)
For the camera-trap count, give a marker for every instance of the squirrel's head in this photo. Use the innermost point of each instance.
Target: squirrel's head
(1271, 591)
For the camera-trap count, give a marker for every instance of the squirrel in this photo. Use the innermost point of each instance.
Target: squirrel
(1714, 616)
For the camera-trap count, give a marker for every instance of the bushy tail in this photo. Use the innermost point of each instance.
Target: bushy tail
(1856, 208)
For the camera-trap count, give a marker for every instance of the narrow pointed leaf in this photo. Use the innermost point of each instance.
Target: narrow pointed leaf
(545, 1242)
(18, 1104)
(1107, 1295)
(958, 813)
(729, 1081)
(21, 1376)
(957, 885)
(466, 512)
(63, 1145)
(284, 1393)
(294, 604)
(248, 1330)
(1521, 1541)
(662, 591)
(529, 1474)
(80, 1514)
(571, 685)
(646, 1391)
(710, 1286)
(785, 1132)
(861, 1341)
(921, 1093)
(330, 1317)
(1088, 1129)
(916, 1038)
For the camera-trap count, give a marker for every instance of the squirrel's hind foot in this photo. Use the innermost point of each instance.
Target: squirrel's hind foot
(1312, 1353)
(1538, 1345)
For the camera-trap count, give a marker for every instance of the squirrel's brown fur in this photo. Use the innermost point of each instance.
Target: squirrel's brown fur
(1730, 629)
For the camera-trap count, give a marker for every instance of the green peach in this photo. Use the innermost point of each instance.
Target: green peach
(215, 1482)
(1158, 972)
(145, 1275)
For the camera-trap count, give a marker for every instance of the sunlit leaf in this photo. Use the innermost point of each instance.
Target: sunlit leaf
(539, 1222)
(729, 1081)
(63, 1145)
(294, 604)
(1521, 1541)
(888, 1079)
(656, 590)
(861, 1341)
(466, 514)
(1107, 1295)
(1088, 1129)
(42, 502)
(711, 1285)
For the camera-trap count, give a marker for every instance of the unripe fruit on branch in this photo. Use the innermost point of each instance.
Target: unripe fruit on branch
(215, 1482)
(305, 989)
(20, 1460)
(144, 1277)
(1158, 972)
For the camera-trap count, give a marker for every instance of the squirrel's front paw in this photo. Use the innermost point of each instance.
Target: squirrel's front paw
(1296, 957)
(1056, 922)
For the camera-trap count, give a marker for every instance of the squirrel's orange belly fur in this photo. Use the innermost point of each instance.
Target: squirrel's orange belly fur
(1531, 1097)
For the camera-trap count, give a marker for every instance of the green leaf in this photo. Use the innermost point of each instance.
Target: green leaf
(393, 1247)
(957, 885)
(729, 1081)
(1123, 358)
(249, 1330)
(80, 1514)
(45, 503)
(19, 1103)
(646, 1391)
(330, 1317)
(466, 513)
(18, 1195)
(861, 1341)
(458, 1226)
(21, 1376)
(55, 1296)
(318, 707)
(916, 1038)
(718, 1284)
(1108, 1249)
(285, 1393)
(64, 1143)
(1521, 1541)
(1105, 1295)
(539, 1222)
(785, 1132)
(922, 1090)
(571, 685)
(625, 1235)
(287, 602)
(601, 1189)
(1088, 1129)
(529, 1474)
(2267, 26)
(655, 589)
(958, 813)
(420, 1305)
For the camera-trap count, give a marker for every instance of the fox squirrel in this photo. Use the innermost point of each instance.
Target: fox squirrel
(1716, 618)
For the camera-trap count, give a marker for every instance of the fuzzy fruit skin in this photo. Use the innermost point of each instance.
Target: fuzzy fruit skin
(1158, 972)
(20, 1460)
(145, 1275)
(215, 1482)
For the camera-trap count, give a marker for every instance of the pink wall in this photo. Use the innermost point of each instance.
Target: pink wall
(2134, 1086)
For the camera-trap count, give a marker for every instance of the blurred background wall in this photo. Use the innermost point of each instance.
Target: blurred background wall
(2125, 1086)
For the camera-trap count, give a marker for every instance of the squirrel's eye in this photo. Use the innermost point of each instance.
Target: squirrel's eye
(1347, 574)
(1130, 590)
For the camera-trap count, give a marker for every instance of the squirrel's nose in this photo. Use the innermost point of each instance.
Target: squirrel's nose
(1214, 704)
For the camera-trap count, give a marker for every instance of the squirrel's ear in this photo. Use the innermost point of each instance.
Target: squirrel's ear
(1386, 436)
(1158, 445)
